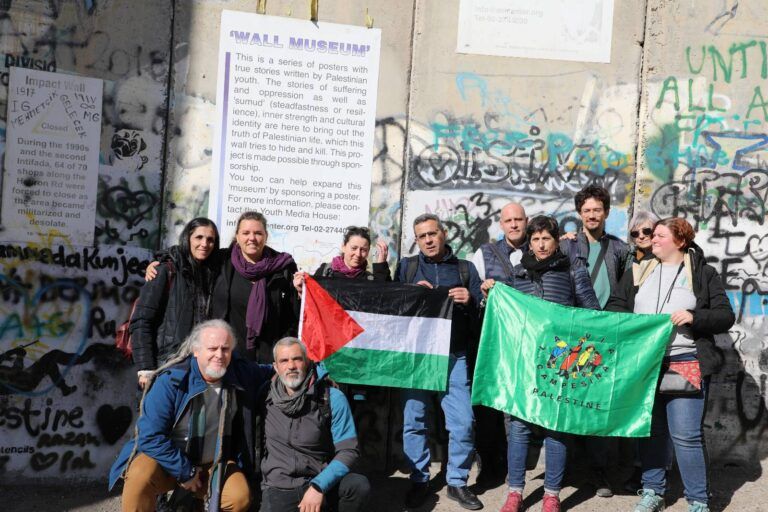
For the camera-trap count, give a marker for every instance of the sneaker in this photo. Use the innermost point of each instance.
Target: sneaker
(514, 502)
(602, 487)
(697, 506)
(465, 497)
(649, 501)
(550, 503)
(417, 494)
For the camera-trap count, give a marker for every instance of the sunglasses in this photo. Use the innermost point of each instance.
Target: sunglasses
(645, 231)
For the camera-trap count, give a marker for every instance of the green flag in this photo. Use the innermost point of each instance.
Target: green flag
(569, 369)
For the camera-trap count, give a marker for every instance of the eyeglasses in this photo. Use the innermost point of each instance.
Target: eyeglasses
(645, 231)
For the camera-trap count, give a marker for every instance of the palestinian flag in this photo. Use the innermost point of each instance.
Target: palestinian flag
(379, 334)
(569, 369)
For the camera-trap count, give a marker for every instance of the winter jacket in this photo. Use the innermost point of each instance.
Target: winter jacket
(615, 257)
(380, 272)
(318, 446)
(569, 287)
(712, 315)
(282, 309)
(445, 274)
(168, 399)
(163, 316)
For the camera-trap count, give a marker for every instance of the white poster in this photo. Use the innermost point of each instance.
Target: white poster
(294, 137)
(578, 30)
(51, 157)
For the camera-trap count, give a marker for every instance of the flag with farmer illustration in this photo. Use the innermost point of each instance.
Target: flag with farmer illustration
(380, 334)
(569, 369)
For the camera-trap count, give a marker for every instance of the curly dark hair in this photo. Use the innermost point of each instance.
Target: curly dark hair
(592, 192)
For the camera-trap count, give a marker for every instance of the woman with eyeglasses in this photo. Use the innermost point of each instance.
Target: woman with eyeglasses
(640, 232)
(679, 282)
(352, 263)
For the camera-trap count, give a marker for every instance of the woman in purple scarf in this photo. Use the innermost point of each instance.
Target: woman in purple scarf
(352, 263)
(253, 292)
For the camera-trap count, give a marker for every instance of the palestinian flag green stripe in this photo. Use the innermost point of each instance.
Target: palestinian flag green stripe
(393, 369)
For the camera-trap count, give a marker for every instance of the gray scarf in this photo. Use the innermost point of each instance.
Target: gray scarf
(291, 405)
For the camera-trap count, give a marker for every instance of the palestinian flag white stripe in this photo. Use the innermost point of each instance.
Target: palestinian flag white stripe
(417, 335)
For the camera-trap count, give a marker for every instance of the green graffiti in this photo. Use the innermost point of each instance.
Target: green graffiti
(723, 62)
(758, 101)
(663, 152)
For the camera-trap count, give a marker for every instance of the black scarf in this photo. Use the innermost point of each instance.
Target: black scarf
(537, 268)
(291, 405)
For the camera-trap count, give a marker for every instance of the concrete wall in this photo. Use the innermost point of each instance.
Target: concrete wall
(456, 134)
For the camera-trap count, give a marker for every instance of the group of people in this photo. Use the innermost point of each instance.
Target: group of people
(230, 397)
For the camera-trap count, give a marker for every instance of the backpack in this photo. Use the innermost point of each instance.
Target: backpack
(123, 333)
(412, 266)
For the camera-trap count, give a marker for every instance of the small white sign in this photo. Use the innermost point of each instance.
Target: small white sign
(577, 30)
(51, 157)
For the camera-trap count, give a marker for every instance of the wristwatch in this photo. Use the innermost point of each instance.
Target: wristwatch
(192, 474)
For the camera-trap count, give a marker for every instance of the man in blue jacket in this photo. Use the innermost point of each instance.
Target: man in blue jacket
(437, 267)
(195, 428)
(310, 442)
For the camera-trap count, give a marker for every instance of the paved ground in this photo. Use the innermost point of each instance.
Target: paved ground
(734, 490)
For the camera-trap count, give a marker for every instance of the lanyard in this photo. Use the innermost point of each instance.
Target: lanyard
(669, 292)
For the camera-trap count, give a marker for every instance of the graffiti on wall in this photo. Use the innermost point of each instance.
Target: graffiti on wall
(705, 161)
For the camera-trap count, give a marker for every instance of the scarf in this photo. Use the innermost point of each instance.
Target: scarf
(256, 311)
(537, 268)
(338, 265)
(290, 405)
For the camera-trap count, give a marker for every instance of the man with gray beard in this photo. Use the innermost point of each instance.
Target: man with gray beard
(310, 442)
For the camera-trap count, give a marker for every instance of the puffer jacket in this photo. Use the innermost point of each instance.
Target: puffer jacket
(712, 315)
(569, 287)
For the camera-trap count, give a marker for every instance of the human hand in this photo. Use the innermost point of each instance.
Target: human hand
(570, 235)
(426, 284)
(486, 286)
(151, 271)
(682, 317)
(312, 500)
(195, 483)
(382, 251)
(298, 281)
(459, 295)
(143, 378)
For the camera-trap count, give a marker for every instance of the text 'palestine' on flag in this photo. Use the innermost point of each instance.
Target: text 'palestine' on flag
(569, 369)
(379, 334)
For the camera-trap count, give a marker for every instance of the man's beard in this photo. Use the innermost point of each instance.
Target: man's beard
(293, 382)
(215, 374)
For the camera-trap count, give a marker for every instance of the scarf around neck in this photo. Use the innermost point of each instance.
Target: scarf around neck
(290, 405)
(270, 263)
(338, 265)
(537, 268)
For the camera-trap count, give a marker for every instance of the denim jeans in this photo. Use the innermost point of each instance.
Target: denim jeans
(459, 421)
(350, 495)
(518, 434)
(679, 418)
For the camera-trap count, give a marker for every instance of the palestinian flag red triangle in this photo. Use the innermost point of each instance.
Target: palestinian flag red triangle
(326, 327)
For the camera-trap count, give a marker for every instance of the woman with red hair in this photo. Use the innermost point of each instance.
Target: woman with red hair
(679, 282)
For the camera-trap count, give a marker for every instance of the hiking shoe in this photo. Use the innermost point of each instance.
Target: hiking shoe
(550, 503)
(514, 502)
(465, 497)
(417, 494)
(649, 501)
(602, 486)
(697, 506)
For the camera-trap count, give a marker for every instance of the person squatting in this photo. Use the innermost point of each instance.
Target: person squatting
(235, 415)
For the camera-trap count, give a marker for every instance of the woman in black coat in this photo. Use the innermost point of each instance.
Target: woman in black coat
(678, 281)
(178, 299)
